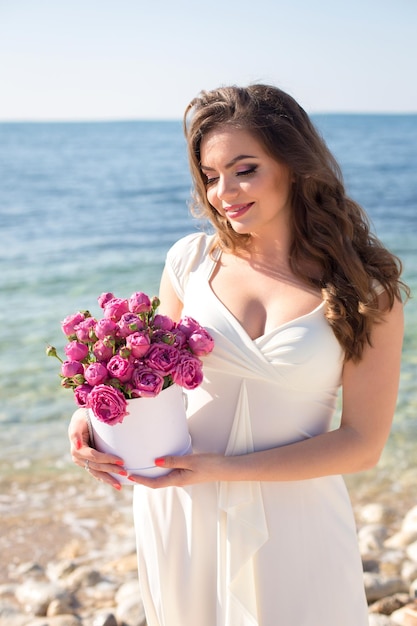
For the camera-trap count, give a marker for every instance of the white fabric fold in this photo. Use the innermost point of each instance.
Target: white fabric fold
(242, 530)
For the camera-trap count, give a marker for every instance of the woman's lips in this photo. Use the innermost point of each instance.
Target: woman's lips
(237, 210)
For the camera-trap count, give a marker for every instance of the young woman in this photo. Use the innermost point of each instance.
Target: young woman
(255, 528)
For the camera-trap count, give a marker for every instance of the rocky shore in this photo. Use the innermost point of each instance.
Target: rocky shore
(67, 554)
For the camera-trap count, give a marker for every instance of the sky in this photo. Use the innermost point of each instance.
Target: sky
(137, 59)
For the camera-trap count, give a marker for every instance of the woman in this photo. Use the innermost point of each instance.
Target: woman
(255, 527)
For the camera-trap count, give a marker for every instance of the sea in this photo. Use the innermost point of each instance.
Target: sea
(93, 207)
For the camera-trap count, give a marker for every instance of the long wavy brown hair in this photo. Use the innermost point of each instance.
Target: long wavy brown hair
(331, 232)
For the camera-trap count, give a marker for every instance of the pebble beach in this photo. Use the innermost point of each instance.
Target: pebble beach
(68, 556)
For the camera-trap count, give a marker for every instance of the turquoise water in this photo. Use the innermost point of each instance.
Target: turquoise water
(93, 207)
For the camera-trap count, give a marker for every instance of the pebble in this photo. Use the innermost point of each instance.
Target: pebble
(74, 562)
(377, 619)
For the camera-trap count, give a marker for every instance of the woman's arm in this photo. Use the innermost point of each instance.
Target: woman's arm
(170, 305)
(370, 390)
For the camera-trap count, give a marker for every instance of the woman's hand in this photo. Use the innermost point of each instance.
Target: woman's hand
(98, 464)
(187, 470)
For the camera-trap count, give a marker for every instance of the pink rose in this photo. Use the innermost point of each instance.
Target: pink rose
(106, 328)
(69, 323)
(130, 323)
(138, 344)
(189, 371)
(108, 404)
(104, 298)
(71, 368)
(164, 322)
(95, 374)
(103, 350)
(200, 342)
(139, 303)
(162, 358)
(114, 309)
(81, 394)
(188, 325)
(85, 330)
(120, 368)
(146, 383)
(76, 351)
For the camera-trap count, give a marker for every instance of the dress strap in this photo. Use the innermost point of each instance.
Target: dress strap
(214, 258)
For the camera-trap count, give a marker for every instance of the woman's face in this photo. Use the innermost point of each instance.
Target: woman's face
(244, 183)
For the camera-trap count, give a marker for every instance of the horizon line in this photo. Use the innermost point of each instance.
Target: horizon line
(109, 120)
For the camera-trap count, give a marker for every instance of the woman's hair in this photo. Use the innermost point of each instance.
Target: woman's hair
(330, 231)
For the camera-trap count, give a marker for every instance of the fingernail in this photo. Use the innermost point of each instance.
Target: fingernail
(122, 473)
(119, 462)
(160, 461)
(78, 444)
(131, 478)
(118, 486)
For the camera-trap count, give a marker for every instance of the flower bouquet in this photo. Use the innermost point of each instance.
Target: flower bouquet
(129, 369)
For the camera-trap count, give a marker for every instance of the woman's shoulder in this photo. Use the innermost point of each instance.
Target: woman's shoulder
(187, 255)
(191, 248)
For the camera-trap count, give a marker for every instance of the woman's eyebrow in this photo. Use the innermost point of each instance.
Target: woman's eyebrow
(240, 157)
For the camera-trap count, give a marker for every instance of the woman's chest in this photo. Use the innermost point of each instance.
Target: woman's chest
(261, 300)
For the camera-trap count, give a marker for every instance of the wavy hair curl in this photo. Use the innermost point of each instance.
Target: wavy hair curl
(330, 231)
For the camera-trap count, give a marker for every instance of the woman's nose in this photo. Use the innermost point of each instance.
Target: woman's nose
(227, 187)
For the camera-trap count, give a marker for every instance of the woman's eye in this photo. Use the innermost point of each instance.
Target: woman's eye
(213, 179)
(251, 170)
(210, 181)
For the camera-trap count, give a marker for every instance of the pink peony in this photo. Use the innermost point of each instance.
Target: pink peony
(120, 368)
(173, 337)
(189, 371)
(108, 404)
(76, 351)
(95, 374)
(105, 328)
(163, 322)
(188, 325)
(114, 309)
(138, 344)
(162, 358)
(104, 298)
(69, 323)
(85, 330)
(81, 394)
(129, 323)
(103, 350)
(146, 383)
(200, 342)
(139, 303)
(180, 339)
(71, 368)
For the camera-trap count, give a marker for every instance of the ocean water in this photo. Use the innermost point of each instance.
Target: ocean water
(93, 207)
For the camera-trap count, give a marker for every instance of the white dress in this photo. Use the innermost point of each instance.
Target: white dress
(251, 553)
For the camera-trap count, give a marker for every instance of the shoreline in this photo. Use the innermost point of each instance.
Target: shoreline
(64, 509)
(43, 512)
(66, 504)
(60, 520)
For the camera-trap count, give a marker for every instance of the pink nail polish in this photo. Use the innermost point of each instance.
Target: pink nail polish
(122, 473)
(119, 462)
(118, 486)
(78, 444)
(160, 461)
